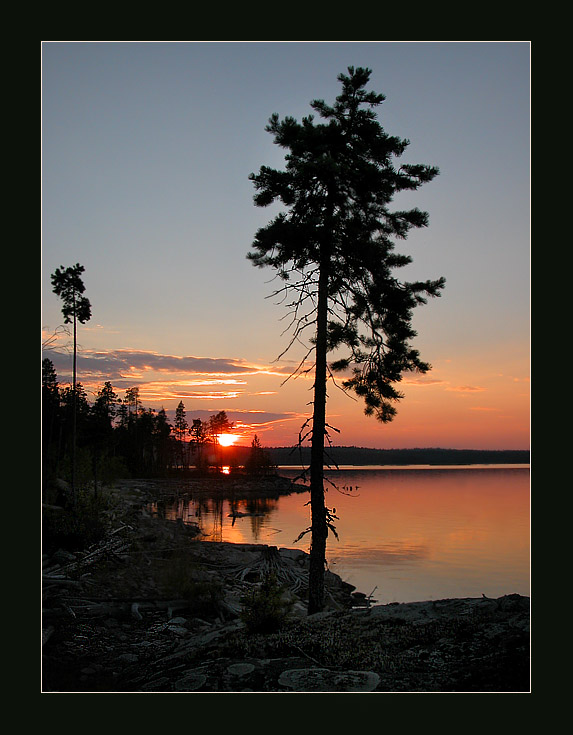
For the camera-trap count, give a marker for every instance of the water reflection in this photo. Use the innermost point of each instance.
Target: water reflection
(412, 534)
(436, 533)
(217, 517)
(393, 553)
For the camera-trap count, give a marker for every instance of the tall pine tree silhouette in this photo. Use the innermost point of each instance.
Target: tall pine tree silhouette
(68, 285)
(333, 249)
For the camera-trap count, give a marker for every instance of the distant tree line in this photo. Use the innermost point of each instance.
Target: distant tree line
(416, 456)
(118, 437)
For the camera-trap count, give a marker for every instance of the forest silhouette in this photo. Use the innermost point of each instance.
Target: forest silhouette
(120, 438)
(116, 437)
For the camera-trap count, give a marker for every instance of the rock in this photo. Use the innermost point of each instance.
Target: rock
(155, 684)
(178, 630)
(61, 556)
(240, 669)
(521, 623)
(128, 658)
(299, 610)
(192, 681)
(513, 602)
(177, 621)
(324, 680)
(293, 554)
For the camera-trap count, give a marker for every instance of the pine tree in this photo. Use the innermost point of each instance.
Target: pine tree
(68, 285)
(105, 405)
(199, 433)
(218, 424)
(333, 248)
(258, 461)
(51, 418)
(181, 427)
(162, 433)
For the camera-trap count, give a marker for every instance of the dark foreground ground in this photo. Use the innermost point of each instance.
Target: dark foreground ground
(152, 609)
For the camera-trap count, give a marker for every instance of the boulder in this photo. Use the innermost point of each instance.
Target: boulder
(325, 680)
(192, 681)
(240, 669)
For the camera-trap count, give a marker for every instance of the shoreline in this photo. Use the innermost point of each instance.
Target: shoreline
(113, 623)
(477, 466)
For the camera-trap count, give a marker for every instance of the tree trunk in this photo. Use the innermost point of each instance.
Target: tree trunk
(74, 410)
(95, 459)
(319, 528)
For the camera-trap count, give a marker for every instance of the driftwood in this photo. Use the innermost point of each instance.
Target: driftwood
(112, 545)
(62, 581)
(86, 607)
(59, 578)
(271, 562)
(47, 634)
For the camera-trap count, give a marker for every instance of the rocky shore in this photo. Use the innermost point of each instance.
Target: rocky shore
(150, 608)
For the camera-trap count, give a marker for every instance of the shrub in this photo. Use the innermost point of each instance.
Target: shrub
(77, 525)
(265, 608)
(181, 577)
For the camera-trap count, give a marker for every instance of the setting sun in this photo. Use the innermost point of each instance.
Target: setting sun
(227, 440)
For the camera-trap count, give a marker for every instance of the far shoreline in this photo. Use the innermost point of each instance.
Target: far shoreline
(350, 467)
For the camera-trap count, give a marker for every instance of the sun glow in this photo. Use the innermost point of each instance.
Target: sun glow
(227, 440)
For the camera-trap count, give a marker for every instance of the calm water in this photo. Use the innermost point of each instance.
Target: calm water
(407, 533)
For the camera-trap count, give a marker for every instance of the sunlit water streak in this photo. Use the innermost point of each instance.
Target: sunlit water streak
(408, 533)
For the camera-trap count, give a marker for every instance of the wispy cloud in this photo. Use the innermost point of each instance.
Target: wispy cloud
(163, 378)
(148, 393)
(423, 381)
(467, 388)
(246, 423)
(118, 365)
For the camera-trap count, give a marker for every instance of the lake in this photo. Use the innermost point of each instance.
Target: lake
(404, 533)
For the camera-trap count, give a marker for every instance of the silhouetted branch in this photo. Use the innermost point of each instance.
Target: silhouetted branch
(47, 344)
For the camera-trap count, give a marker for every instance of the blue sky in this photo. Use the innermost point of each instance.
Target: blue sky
(147, 149)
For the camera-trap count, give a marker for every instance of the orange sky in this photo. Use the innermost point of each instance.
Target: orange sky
(145, 182)
(460, 403)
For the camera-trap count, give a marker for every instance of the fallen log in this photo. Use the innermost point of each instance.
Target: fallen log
(118, 607)
(62, 581)
(47, 634)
